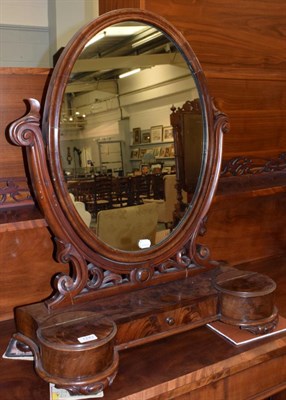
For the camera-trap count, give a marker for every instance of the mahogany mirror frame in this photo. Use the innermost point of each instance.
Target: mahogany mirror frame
(75, 242)
(52, 118)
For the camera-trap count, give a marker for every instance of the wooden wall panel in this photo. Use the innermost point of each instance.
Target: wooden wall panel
(108, 5)
(26, 248)
(256, 110)
(255, 132)
(16, 84)
(230, 33)
(241, 94)
(244, 229)
(26, 268)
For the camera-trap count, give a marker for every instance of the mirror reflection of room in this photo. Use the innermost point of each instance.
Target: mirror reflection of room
(117, 141)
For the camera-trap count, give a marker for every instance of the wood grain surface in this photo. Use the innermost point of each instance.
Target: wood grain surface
(192, 364)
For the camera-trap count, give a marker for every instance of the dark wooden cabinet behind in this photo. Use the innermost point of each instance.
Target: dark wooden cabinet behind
(242, 48)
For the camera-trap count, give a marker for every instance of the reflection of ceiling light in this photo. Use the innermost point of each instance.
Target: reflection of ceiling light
(74, 120)
(114, 31)
(128, 73)
(95, 38)
(123, 30)
(147, 39)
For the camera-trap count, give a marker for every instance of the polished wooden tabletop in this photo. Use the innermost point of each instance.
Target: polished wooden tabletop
(175, 366)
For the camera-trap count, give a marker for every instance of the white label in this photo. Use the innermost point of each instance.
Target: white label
(87, 338)
(144, 243)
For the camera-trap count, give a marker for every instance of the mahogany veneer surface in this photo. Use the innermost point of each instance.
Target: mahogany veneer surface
(14, 218)
(27, 266)
(17, 84)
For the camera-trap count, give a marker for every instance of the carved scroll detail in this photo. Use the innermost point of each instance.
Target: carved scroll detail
(221, 120)
(23, 131)
(98, 278)
(14, 190)
(68, 286)
(95, 275)
(183, 260)
(243, 165)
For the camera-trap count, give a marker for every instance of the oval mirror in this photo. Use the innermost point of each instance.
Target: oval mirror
(116, 142)
(130, 130)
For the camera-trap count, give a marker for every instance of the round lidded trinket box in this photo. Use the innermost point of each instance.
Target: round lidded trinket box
(77, 351)
(246, 299)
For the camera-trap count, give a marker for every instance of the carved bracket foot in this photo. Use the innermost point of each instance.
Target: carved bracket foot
(263, 327)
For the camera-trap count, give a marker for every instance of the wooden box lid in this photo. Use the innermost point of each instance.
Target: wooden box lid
(76, 329)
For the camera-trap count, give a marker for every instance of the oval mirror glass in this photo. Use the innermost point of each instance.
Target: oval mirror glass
(122, 159)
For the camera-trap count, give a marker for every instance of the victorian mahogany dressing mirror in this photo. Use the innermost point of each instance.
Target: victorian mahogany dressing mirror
(117, 297)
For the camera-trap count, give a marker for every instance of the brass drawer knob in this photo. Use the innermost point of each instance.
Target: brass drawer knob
(170, 321)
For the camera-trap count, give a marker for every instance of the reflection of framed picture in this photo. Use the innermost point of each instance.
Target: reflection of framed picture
(142, 152)
(156, 133)
(156, 151)
(167, 152)
(136, 135)
(145, 137)
(162, 152)
(168, 134)
(134, 154)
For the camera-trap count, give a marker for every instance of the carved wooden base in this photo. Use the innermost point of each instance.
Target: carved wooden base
(118, 322)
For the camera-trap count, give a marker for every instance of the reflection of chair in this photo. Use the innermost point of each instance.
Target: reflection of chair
(157, 185)
(102, 193)
(141, 188)
(122, 228)
(121, 192)
(85, 194)
(166, 207)
(80, 207)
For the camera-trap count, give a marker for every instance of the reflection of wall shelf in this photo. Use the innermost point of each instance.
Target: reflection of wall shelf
(157, 158)
(151, 144)
(160, 151)
(75, 123)
(71, 127)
